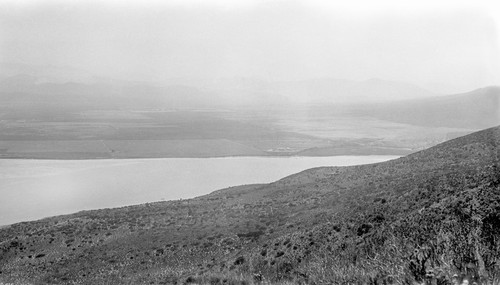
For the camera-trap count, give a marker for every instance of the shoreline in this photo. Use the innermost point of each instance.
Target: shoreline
(361, 153)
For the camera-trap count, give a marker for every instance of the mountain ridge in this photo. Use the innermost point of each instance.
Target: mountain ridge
(234, 92)
(479, 108)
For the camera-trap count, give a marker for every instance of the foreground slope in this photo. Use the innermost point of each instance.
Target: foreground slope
(425, 216)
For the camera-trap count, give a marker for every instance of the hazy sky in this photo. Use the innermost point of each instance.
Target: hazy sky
(447, 46)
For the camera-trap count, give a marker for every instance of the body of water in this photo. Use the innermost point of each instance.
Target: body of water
(34, 189)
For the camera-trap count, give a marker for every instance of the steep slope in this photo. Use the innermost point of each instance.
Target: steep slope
(425, 216)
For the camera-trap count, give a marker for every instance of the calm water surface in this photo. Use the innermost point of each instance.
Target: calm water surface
(33, 189)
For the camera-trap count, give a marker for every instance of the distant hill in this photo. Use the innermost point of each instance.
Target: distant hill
(317, 91)
(423, 217)
(98, 93)
(322, 91)
(31, 92)
(46, 73)
(476, 109)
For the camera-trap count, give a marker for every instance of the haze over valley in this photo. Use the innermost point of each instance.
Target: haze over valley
(240, 117)
(243, 78)
(246, 142)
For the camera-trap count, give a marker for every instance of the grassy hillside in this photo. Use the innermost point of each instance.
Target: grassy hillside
(424, 217)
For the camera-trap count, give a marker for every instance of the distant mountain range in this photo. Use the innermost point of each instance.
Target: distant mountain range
(420, 218)
(196, 94)
(314, 91)
(476, 109)
(230, 92)
(46, 73)
(26, 91)
(392, 101)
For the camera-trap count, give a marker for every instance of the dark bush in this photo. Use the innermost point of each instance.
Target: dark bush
(364, 229)
(263, 252)
(251, 235)
(214, 280)
(239, 260)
